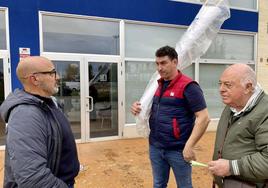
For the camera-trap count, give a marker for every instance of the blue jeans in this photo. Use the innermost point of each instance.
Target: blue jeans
(162, 160)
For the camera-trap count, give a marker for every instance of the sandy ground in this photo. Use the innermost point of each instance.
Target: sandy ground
(125, 164)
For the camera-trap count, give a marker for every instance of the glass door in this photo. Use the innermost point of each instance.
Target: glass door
(88, 92)
(68, 68)
(2, 98)
(5, 89)
(102, 99)
(69, 92)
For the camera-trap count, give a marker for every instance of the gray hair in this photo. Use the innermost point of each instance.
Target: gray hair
(249, 76)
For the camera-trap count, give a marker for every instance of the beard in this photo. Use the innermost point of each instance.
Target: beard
(49, 89)
(56, 90)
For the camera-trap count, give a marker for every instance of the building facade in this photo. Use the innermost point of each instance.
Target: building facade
(104, 50)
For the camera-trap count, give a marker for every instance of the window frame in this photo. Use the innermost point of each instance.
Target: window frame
(74, 16)
(5, 10)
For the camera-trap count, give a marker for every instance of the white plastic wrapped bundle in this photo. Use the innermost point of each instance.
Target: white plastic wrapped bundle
(193, 44)
(199, 35)
(142, 119)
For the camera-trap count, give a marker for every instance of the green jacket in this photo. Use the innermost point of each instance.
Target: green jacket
(244, 142)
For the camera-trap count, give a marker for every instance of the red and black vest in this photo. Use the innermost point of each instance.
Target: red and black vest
(171, 121)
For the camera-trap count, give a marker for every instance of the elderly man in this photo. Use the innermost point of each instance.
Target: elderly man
(241, 147)
(40, 146)
(179, 118)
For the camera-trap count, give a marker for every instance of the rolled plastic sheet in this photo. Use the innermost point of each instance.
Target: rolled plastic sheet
(192, 45)
(200, 34)
(142, 119)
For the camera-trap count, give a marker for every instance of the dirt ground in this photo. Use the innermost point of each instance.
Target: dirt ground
(125, 164)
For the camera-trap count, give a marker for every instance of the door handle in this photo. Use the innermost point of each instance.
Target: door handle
(89, 101)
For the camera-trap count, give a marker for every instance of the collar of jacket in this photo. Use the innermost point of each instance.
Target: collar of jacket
(251, 102)
(161, 80)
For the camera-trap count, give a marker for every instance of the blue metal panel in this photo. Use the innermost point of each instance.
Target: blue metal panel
(242, 21)
(159, 11)
(23, 17)
(23, 31)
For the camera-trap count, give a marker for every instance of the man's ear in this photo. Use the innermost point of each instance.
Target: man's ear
(249, 88)
(34, 80)
(175, 61)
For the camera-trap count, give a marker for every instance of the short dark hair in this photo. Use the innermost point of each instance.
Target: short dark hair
(167, 51)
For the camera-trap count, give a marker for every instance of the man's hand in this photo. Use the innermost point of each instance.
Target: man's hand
(219, 167)
(201, 123)
(188, 153)
(136, 108)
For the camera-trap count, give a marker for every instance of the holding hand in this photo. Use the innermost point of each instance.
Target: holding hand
(219, 167)
(188, 153)
(136, 108)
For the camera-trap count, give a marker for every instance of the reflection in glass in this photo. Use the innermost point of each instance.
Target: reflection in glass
(143, 40)
(103, 89)
(77, 35)
(69, 93)
(2, 98)
(248, 4)
(138, 75)
(209, 85)
(3, 44)
(231, 47)
(189, 71)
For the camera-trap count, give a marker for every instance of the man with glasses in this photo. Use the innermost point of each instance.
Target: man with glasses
(241, 147)
(40, 146)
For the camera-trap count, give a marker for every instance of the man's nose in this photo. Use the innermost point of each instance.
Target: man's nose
(221, 88)
(57, 76)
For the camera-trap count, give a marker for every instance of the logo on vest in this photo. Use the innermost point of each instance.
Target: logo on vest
(172, 94)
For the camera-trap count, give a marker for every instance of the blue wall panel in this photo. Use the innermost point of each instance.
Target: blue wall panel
(160, 11)
(242, 21)
(24, 25)
(23, 32)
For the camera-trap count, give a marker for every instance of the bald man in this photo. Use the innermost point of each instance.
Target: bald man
(40, 146)
(241, 148)
(30, 70)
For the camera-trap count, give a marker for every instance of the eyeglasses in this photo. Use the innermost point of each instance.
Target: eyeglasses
(53, 72)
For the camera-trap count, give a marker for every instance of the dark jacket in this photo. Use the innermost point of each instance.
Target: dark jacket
(33, 143)
(171, 121)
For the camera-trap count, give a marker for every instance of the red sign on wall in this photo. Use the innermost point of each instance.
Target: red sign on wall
(24, 52)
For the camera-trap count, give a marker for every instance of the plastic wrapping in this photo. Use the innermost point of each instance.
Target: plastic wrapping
(199, 35)
(142, 119)
(193, 44)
